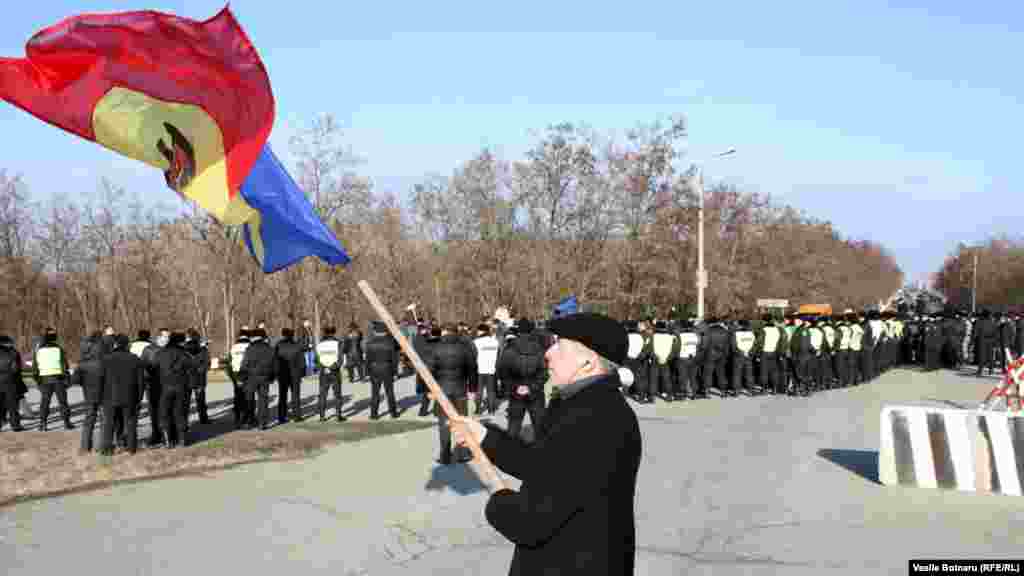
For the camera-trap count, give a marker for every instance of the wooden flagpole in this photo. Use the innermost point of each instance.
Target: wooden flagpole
(485, 470)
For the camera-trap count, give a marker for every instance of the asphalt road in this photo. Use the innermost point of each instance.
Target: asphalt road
(764, 485)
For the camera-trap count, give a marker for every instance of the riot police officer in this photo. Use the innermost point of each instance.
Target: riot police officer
(714, 353)
(665, 350)
(51, 373)
(200, 353)
(687, 362)
(771, 341)
(258, 370)
(239, 406)
(10, 378)
(329, 360)
(146, 352)
(89, 375)
(743, 344)
(382, 364)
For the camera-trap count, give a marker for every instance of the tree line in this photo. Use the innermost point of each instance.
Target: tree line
(989, 275)
(610, 219)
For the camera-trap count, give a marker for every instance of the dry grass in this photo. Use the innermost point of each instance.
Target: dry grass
(40, 464)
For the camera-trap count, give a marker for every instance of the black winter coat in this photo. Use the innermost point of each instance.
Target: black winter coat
(291, 361)
(174, 367)
(985, 333)
(424, 346)
(573, 513)
(800, 344)
(122, 379)
(151, 370)
(522, 364)
(453, 365)
(1006, 335)
(716, 343)
(353, 348)
(200, 363)
(259, 366)
(89, 374)
(382, 356)
(10, 372)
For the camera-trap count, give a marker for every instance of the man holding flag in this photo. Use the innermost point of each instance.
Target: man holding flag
(574, 511)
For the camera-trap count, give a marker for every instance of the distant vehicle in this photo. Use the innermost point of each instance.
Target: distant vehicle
(818, 309)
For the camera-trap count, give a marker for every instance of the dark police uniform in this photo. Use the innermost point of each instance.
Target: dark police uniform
(329, 360)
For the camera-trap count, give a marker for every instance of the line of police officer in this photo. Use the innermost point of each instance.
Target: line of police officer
(798, 356)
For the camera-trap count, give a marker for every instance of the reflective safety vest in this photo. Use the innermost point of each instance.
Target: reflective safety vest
(817, 337)
(663, 346)
(772, 337)
(745, 340)
(830, 335)
(636, 345)
(138, 346)
(237, 353)
(328, 351)
(688, 344)
(845, 336)
(856, 337)
(877, 330)
(49, 361)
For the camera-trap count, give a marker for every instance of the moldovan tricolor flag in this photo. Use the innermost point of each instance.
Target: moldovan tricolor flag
(189, 98)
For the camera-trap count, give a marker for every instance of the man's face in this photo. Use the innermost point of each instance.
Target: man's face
(562, 360)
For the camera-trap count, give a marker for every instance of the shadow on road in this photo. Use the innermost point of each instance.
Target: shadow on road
(863, 463)
(458, 477)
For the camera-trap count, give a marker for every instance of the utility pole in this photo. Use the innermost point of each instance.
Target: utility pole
(702, 274)
(974, 287)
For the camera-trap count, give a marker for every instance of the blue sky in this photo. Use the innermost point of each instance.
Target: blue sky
(896, 121)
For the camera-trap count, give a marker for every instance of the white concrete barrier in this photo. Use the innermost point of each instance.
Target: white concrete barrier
(955, 449)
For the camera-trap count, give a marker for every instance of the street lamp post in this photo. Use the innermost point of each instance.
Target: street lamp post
(974, 284)
(702, 274)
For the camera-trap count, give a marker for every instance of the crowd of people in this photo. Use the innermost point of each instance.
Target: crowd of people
(499, 362)
(803, 354)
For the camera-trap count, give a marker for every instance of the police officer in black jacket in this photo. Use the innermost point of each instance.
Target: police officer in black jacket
(197, 380)
(424, 346)
(354, 353)
(10, 381)
(175, 369)
(986, 335)
(453, 365)
(122, 387)
(714, 353)
(146, 351)
(382, 362)
(522, 368)
(291, 366)
(89, 375)
(258, 370)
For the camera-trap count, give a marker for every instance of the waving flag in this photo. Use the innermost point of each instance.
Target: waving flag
(189, 98)
(566, 306)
